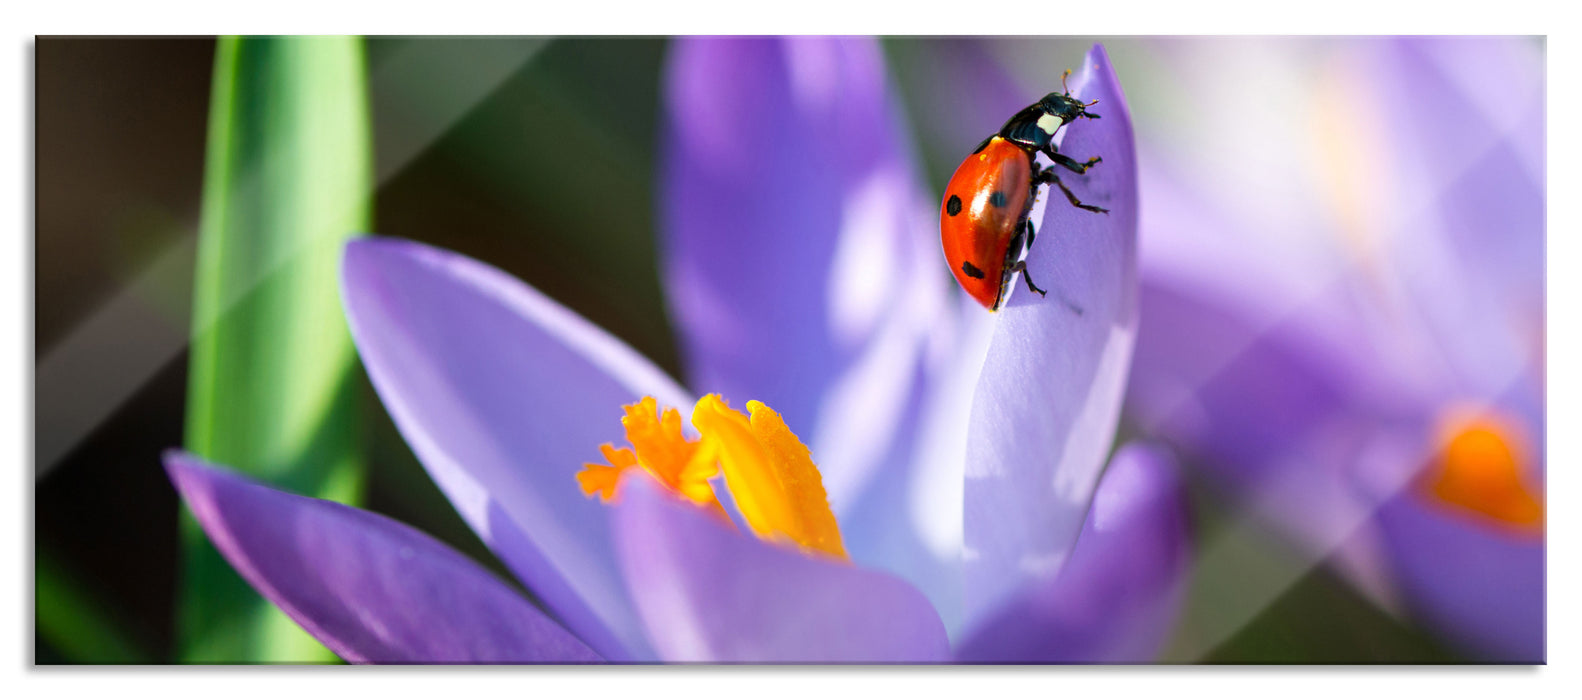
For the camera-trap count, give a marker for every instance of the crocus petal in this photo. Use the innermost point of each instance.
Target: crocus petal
(1481, 587)
(910, 522)
(711, 594)
(1275, 413)
(1271, 412)
(792, 239)
(1049, 396)
(1119, 593)
(368, 587)
(1303, 364)
(503, 394)
(1470, 247)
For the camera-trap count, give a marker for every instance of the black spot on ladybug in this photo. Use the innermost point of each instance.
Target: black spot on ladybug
(997, 199)
(971, 271)
(953, 207)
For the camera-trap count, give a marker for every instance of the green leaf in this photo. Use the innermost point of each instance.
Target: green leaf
(272, 386)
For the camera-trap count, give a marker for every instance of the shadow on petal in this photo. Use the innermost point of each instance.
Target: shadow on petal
(710, 594)
(1118, 595)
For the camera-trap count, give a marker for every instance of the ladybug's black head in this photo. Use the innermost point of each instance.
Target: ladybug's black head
(1066, 107)
(1063, 105)
(1033, 128)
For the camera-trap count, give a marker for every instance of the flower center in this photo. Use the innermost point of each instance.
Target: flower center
(1479, 469)
(767, 469)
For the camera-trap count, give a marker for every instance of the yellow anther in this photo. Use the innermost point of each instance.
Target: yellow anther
(771, 475)
(1480, 468)
(768, 470)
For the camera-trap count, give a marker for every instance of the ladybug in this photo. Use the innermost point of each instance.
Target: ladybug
(983, 221)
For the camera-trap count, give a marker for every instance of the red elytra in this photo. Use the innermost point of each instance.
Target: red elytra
(984, 216)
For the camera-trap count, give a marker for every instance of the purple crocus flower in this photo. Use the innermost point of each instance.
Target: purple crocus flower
(1371, 376)
(961, 452)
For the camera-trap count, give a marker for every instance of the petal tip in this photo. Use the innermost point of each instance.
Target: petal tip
(356, 250)
(363, 254)
(1142, 479)
(189, 474)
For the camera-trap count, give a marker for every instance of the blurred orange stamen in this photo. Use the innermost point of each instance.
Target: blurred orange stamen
(1480, 468)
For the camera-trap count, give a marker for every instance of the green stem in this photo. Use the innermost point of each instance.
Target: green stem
(272, 385)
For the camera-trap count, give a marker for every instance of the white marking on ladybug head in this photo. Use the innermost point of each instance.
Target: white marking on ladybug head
(1049, 123)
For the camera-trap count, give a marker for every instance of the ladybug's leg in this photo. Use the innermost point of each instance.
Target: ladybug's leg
(1066, 162)
(1049, 176)
(1030, 234)
(1021, 266)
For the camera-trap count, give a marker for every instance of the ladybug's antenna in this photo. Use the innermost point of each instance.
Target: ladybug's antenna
(1063, 77)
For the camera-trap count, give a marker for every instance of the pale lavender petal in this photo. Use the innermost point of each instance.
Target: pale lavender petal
(1117, 597)
(1258, 186)
(1278, 387)
(798, 248)
(1273, 413)
(371, 589)
(1480, 587)
(504, 394)
(802, 266)
(709, 593)
(1285, 419)
(1250, 400)
(1466, 115)
(910, 522)
(1049, 396)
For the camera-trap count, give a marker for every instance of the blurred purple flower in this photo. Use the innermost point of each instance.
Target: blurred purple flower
(1320, 338)
(802, 269)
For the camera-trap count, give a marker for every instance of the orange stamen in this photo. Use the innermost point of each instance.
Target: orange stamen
(602, 478)
(768, 470)
(1480, 469)
(771, 475)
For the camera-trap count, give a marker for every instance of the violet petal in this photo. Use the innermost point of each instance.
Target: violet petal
(1049, 396)
(1292, 371)
(1468, 115)
(1481, 587)
(1118, 595)
(368, 587)
(799, 264)
(712, 594)
(1271, 413)
(504, 394)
